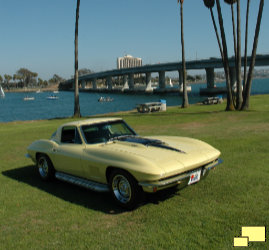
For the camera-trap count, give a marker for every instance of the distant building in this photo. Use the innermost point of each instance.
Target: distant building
(128, 62)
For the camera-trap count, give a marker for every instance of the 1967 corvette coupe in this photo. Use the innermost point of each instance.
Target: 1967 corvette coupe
(105, 154)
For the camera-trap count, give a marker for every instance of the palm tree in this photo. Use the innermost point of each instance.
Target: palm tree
(231, 2)
(210, 4)
(185, 101)
(230, 105)
(237, 51)
(76, 106)
(7, 79)
(245, 105)
(239, 97)
(246, 44)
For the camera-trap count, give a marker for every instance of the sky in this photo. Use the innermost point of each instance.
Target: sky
(39, 34)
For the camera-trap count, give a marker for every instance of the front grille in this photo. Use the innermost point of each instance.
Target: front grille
(188, 171)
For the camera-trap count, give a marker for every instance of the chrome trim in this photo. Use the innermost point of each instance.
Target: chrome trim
(121, 188)
(217, 162)
(179, 178)
(95, 186)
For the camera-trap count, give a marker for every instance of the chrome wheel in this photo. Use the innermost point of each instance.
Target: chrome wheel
(121, 189)
(43, 167)
(124, 189)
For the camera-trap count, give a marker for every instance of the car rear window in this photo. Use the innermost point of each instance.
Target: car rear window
(70, 135)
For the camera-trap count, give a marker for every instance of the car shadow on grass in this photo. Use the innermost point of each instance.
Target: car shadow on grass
(71, 193)
(74, 194)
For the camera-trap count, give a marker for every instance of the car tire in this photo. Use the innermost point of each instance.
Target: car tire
(45, 167)
(124, 189)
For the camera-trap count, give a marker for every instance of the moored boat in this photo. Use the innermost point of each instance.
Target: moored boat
(52, 97)
(105, 99)
(28, 98)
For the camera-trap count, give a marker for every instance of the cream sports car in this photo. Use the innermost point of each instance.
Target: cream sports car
(105, 154)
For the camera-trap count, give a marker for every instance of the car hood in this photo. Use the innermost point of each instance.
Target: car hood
(172, 154)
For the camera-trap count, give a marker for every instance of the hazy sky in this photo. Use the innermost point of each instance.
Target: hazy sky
(39, 34)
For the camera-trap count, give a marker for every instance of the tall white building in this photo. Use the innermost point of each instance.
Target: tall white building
(128, 62)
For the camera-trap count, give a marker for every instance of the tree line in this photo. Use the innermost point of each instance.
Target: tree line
(25, 78)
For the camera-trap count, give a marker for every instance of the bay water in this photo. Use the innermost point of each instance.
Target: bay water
(14, 108)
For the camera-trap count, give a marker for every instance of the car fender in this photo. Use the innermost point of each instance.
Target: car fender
(41, 146)
(139, 167)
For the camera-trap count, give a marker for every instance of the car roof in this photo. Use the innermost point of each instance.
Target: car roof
(57, 136)
(91, 121)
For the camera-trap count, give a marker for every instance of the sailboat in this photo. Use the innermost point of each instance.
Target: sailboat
(181, 88)
(170, 83)
(2, 93)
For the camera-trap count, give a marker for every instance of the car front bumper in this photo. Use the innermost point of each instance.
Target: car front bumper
(180, 179)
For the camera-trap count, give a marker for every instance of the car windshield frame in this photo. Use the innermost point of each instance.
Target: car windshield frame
(105, 131)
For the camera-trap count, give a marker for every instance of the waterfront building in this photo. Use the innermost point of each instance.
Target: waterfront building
(129, 61)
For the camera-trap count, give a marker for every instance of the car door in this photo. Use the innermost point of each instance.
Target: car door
(93, 156)
(67, 156)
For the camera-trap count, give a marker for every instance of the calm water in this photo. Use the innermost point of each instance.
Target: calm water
(13, 107)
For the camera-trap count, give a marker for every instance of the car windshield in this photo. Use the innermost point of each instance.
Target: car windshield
(107, 131)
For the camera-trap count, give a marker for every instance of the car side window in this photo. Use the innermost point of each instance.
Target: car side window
(94, 134)
(70, 135)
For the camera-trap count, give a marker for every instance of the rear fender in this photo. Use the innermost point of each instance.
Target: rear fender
(41, 146)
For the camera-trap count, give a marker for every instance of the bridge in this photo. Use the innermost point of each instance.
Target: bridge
(128, 75)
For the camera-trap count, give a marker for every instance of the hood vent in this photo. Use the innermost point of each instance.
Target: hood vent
(147, 142)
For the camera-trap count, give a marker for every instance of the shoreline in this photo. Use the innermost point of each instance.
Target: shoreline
(120, 113)
(56, 87)
(31, 90)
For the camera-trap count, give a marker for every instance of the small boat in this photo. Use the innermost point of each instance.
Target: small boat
(52, 97)
(2, 93)
(38, 91)
(29, 98)
(55, 91)
(105, 99)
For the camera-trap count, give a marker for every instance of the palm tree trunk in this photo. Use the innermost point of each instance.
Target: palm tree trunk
(245, 105)
(230, 105)
(76, 106)
(239, 98)
(246, 46)
(217, 34)
(235, 47)
(234, 34)
(185, 101)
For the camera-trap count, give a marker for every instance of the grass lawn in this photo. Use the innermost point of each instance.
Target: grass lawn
(207, 215)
